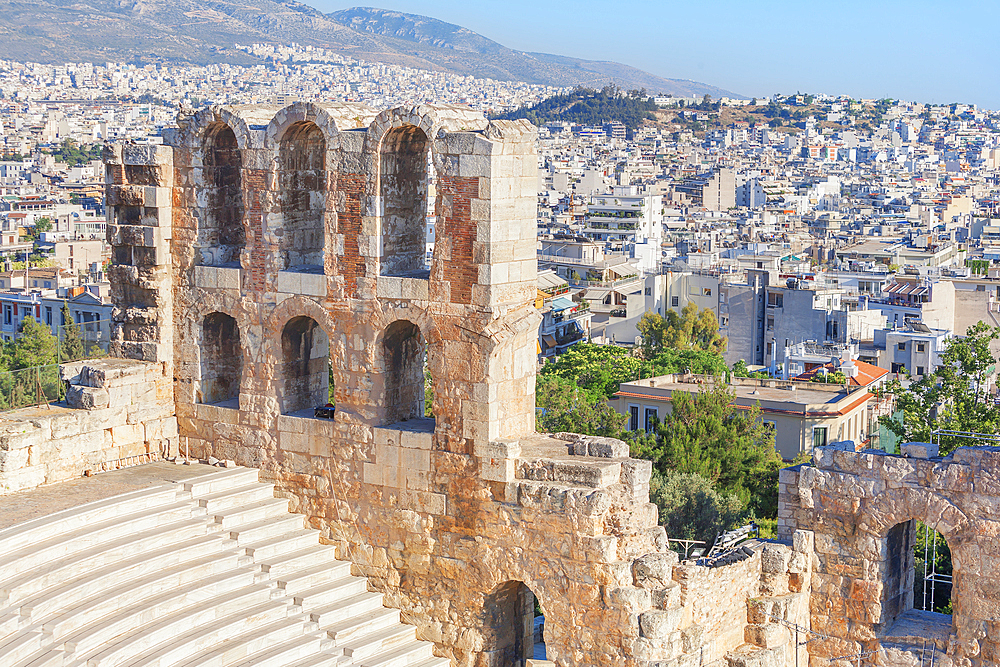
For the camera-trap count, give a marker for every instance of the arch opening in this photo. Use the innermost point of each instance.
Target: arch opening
(221, 236)
(513, 626)
(302, 184)
(305, 369)
(221, 361)
(917, 585)
(405, 171)
(407, 379)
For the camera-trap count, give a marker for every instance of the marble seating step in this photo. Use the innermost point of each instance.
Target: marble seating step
(209, 572)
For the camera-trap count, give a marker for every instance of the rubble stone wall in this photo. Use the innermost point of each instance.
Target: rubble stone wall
(861, 508)
(117, 412)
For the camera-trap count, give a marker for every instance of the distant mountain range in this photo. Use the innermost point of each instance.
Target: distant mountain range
(204, 31)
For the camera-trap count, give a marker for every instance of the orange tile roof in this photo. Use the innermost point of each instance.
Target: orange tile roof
(867, 373)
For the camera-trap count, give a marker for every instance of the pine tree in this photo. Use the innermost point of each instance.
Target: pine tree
(71, 345)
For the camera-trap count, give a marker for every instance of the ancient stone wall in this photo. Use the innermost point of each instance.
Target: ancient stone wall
(459, 517)
(117, 413)
(862, 508)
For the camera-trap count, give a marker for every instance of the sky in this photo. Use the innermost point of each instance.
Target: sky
(919, 50)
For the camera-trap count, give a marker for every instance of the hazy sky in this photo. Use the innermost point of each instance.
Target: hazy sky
(928, 51)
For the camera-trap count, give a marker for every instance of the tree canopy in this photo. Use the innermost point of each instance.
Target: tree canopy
(954, 396)
(691, 329)
(707, 434)
(587, 106)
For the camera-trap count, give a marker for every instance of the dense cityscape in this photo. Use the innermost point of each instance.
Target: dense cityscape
(765, 328)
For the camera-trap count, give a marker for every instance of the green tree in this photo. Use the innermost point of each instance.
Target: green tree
(954, 396)
(564, 406)
(690, 508)
(71, 346)
(691, 329)
(707, 434)
(597, 369)
(699, 362)
(34, 346)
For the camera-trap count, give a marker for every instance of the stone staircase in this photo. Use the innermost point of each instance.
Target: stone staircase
(209, 572)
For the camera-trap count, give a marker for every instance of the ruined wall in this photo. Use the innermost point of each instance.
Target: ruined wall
(447, 514)
(117, 413)
(862, 508)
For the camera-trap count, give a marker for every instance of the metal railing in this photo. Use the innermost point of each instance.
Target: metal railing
(41, 384)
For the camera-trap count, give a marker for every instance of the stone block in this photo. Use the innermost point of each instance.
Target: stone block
(87, 398)
(390, 287)
(13, 459)
(659, 623)
(655, 571)
(21, 436)
(497, 470)
(312, 284)
(919, 450)
(290, 282)
(774, 558)
(769, 635)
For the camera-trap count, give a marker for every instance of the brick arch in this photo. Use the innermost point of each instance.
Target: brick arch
(200, 123)
(424, 117)
(300, 112)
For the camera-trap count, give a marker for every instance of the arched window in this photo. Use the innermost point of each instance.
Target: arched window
(305, 369)
(302, 197)
(220, 230)
(917, 582)
(404, 159)
(406, 381)
(513, 626)
(221, 361)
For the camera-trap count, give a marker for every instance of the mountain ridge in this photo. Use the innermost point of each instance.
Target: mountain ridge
(205, 31)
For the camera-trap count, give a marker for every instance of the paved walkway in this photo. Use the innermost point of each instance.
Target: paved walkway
(27, 505)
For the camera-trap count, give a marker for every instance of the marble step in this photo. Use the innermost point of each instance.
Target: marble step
(296, 581)
(279, 545)
(289, 564)
(179, 635)
(381, 641)
(266, 529)
(72, 591)
(51, 573)
(224, 480)
(87, 537)
(235, 497)
(402, 654)
(65, 522)
(343, 625)
(260, 510)
(332, 592)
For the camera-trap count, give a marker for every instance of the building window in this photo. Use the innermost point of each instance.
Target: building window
(920, 347)
(649, 291)
(770, 322)
(48, 284)
(724, 321)
(675, 301)
(48, 315)
(920, 370)
(775, 300)
(649, 418)
(901, 346)
(6, 315)
(633, 417)
(819, 436)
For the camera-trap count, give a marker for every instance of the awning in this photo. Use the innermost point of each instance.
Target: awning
(562, 303)
(596, 293)
(550, 340)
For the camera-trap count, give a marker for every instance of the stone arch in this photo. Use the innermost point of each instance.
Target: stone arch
(221, 361)
(300, 112)
(404, 177)
(404, 351)
(198, 124)
(508, 624)
(303, 369)
(221, 233)
(302, 197)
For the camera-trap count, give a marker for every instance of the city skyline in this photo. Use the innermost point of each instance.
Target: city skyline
(900, 50)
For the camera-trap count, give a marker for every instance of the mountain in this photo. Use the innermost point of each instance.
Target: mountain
(205, 31)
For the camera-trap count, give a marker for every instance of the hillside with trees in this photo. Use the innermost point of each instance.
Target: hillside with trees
(585, 106)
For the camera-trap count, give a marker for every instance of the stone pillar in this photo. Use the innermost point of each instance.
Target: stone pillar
(139, 180)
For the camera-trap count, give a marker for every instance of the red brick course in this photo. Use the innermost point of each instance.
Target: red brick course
(460, 230)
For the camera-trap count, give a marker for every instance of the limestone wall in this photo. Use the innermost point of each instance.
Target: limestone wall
(456, 517)
(862, 508)
(116, 413)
